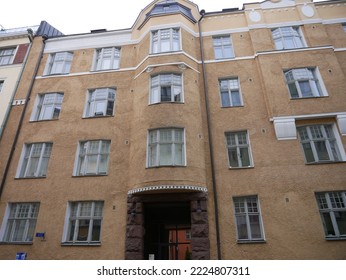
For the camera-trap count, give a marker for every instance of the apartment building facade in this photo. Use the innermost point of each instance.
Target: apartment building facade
(220, 134)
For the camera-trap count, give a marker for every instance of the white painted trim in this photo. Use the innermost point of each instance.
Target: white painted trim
(293, 50)
(308, 117)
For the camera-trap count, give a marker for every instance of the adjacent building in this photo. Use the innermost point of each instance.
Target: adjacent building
(217, 134)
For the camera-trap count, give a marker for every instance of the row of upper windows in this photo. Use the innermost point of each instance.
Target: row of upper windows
(301, 82)
(168, 40)
(166, 147)
(84, 219)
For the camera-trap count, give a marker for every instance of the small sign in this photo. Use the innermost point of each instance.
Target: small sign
(40, 234)
(21, 256)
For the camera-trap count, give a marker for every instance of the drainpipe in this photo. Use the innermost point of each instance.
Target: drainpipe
(27, 98)
(210, 139)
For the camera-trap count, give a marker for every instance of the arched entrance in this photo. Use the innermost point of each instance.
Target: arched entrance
(167, 226)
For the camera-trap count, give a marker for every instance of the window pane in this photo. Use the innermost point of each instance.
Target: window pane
(305, 89)
(72, 229)
(91, 164)
(236, 98)
(309, 156)
(340, 217)
(83, 230)
(103, 166)
(244, 156)
(178, 157)
(19, 230)
(328, 225)
(233, 157)
(166, 94)
(255, 226)
(321, 150)
(293, 90)
(96, 230)
(166, 154)
(225, 100)
(242, 227)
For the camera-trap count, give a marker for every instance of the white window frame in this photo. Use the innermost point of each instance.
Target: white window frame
(7, 55)
(155, 147)
(42, 107)
(157, 41)
(223, 42)
(233, 87)
(30, 160)
(329, 204)
(77, 218)
(112, 54)
(96, 97)
(295, 35)
(18, 218)
(331, 142)
(312, 77)
(238, 146)
(82, 161)
(250, 205)
(62, 58)
(176, 88)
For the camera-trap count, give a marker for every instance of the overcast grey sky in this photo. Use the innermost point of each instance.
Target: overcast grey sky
(81, 16)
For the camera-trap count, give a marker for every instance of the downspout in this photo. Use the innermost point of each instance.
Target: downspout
(20, 124)
(210, 139)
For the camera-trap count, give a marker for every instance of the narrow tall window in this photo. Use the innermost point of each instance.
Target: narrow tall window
(287, 38)
(107, 58)
(84, 222)
(100, 102)
(239, 154)
(49, 106)
(166, 147)
(319, 143)
(230, 93)
(59, 63)
(166, 88)
(1, 85)
(223, 47)
(248, 219)
(93, 158)
(7, 55)
(21, 222)
(303, 83)
(332, 206)
(35, 160)
(165, 40)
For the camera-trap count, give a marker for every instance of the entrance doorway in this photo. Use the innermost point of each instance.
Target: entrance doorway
(167, 231)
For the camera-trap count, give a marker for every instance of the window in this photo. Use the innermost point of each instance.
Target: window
(21, 222)
(7, 56)
(223, 47)
(59, 63)
(344, 26)
(287, 38)
(49, 106)
(239, 154)
(166, 88)
(332, 207)
(1, 85)
(319, 143)
(107, 58)
(100, 102)
(230, 93)
(303, 83)
(248, 219)
(166, 147)
(93, 158)
(35, 158)
(165, 40)
(84, 222)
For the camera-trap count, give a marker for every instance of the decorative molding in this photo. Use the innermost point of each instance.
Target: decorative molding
(166, 188)
(18, 102)
(285, 127)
